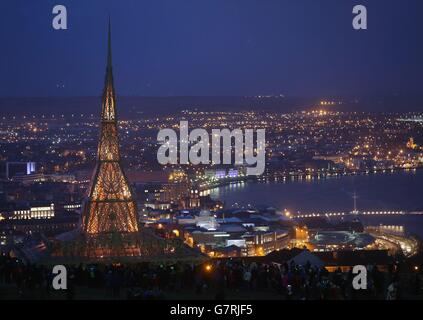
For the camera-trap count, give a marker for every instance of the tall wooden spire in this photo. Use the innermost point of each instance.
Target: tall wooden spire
(110, 206)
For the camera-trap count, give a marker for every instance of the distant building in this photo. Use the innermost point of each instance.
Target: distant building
(335, 240)
(243, 234)
(224, 173)
(410, 144)
(58, 224)
(19, 168)
(158, 205)
(28, 213)
(41, 177)
(170, 186)
(262, 243)
(206, 221)
(9, 238)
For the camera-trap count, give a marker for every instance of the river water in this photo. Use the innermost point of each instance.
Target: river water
(383, 191)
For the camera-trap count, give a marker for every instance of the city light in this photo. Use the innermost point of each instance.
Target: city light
(151, 192)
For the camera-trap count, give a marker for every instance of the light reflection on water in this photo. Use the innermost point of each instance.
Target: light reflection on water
(389, 191)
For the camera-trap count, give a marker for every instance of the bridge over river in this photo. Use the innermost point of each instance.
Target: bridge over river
(356, 213)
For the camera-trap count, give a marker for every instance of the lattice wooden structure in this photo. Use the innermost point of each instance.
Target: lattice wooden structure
(110, 206)
(124, 248)
(109, 230)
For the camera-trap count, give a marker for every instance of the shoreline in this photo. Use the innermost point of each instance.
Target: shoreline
(300, 177)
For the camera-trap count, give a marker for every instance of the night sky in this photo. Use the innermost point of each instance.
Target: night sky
(212, 47)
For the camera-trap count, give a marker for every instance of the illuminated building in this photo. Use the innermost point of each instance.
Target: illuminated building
(110, 206)
(53, 226)
(335, 240)
(19, 168)
(223, 173)
(45, 212)
(260, 243)
(221, 242)
(206, 220)
(177, 188)
(194, 199)
(162, 189)
(411, 144)
(109, 229)
(41, 177)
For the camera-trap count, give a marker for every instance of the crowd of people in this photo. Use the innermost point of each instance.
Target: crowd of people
(220, 279)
